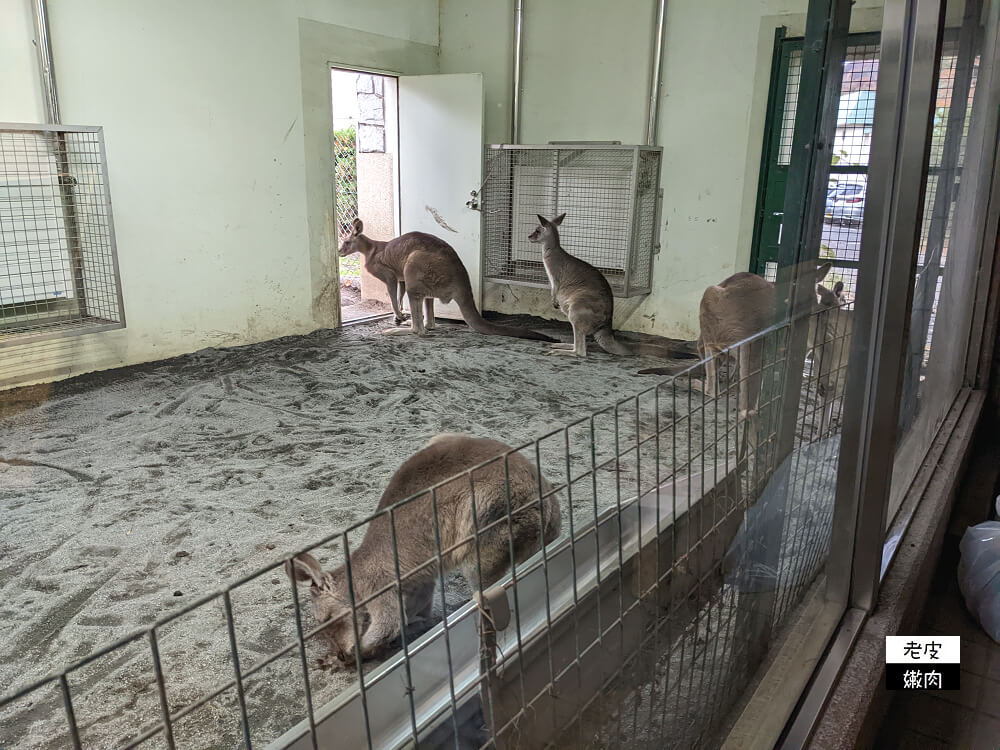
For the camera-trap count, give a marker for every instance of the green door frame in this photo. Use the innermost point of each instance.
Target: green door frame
(771, 183)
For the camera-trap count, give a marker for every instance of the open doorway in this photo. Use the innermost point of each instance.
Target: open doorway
(366, 179)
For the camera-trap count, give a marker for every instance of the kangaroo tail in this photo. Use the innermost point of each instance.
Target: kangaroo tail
(479, 324)
(605, 339)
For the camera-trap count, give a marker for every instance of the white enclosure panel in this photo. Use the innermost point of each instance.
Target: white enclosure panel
(34, 263)
(440, 162)
(594, 201)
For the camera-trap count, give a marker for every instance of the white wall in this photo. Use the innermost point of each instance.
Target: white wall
(216, 118)
(19, 78)
(585, 76)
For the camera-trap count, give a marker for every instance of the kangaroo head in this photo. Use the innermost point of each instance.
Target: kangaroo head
(330, 603)
(831, 297)
(355, 242)
(546, 232)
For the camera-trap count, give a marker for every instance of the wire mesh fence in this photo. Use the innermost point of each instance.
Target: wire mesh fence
(610, 192)
(345, 176)
(58, 259)
(605, 585)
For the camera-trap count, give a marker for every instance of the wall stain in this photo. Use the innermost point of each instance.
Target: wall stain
(289, 129)
(439, 219)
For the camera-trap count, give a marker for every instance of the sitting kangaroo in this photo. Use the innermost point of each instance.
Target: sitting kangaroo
(584, 296)
(532, 522)
(732, 311)
(425, 267)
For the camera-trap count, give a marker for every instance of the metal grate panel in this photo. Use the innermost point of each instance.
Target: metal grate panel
(609, 193)
(58, 261)
(791, 105)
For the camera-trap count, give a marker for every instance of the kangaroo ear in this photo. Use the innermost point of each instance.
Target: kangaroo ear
(305, 568)
(358, 226)
(559, 219)
(823, 270)
(838, 288)
(542, 221)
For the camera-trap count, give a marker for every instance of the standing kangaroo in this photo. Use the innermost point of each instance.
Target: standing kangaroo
(512, 515)
(732, 311)
(428, 267)
(584, 296)
(830, 341)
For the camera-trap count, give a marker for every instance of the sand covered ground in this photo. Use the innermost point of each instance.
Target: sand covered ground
(126, 495)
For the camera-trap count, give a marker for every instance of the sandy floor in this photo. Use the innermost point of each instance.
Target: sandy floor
(352, 307)
(124, 496)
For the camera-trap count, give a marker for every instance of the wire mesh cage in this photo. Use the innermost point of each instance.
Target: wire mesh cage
(610, 193)
(58, 261)
(683, 537)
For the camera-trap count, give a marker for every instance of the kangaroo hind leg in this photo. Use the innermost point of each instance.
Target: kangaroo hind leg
(579, 348)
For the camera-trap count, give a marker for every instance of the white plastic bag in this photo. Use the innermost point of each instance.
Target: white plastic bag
(979, 575)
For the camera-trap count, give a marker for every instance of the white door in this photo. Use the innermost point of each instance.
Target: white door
(440, 162)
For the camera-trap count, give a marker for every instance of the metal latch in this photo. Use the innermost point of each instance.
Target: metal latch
(473, 202)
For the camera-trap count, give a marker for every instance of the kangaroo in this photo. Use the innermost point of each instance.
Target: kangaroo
(534, 520)
(830, 341)
(732, 311)
(584, 296)
(394, 284)
(428, 268)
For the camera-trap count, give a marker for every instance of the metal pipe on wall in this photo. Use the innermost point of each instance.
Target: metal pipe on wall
(60, 151)
(43, 45)
(654, 78)
(515, 123)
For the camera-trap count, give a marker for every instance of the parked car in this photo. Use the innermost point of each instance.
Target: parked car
(845, 202)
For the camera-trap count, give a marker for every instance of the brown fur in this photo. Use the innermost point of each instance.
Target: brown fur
(584, 296)
(830, 341)
(732, 311)
(373, 565)
(425, 267)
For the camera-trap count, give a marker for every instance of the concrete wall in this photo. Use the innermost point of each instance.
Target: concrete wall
(585, 76)
(217, 122)
(225, 226)
(19, 78)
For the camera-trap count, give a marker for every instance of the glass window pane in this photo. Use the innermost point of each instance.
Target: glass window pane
(949, 250)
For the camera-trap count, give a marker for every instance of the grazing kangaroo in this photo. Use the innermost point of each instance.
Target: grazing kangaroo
(531, 523)
(428, 267)
(584, 296)
(730, 312)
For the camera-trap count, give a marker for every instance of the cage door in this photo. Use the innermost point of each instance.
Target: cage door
(440, 162)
